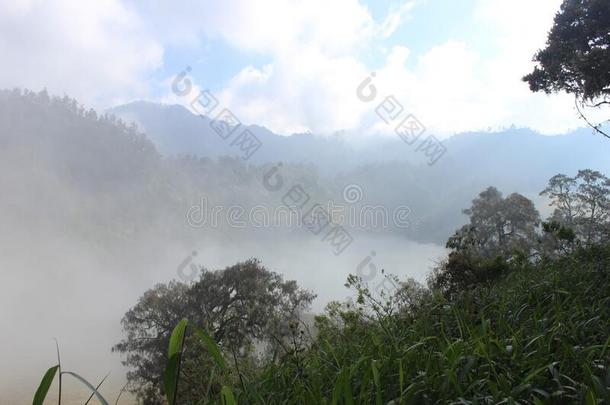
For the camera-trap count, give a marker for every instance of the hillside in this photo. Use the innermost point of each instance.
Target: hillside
(538, 335)
(389, 172)
(175, 130)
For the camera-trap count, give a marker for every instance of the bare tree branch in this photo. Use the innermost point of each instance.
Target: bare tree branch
(601, 103)
(595, 127)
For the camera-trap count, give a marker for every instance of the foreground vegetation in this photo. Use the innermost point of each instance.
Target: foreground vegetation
(539, 334)
(518, 312)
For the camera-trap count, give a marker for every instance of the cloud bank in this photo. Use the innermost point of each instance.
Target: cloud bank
(316, 52)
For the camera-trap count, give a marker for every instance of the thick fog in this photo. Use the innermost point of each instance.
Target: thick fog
(57, 287)
(146, 145)
(93, 214)
(82, 239)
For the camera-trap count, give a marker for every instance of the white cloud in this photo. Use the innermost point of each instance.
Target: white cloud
(395, 18)
(454, 87)
(106, 52)
(94, 51)
(317, 64)
(265, 26)
(314, 46)
(276, 26)
(304, 91)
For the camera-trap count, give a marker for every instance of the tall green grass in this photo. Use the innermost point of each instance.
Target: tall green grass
(49, 376)
(540, 335)
(171, 376)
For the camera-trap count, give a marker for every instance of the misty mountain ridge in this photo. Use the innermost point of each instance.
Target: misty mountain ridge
(128, 182)
(177, 131)
(510, 159)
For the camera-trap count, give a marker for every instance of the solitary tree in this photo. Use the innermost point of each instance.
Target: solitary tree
(240, 306)
(560, 190)
(498, 230)
(582, 204)
(577, 55)
(498, 226)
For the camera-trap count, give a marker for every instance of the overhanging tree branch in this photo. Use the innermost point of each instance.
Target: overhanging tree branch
(589, 123)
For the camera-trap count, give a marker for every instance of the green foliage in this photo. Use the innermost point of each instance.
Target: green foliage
(174, 356)
(242, 306)
(582, 204)
(501, 231)
(497, 226)
(45, 384)
(212, 347)
(577, 56)
(87, 384)
(504, 232)
(48, 377)
(537, 335)
(557, 239)
(462, 270)
(511, 316)
(175, 353)
(227, 397)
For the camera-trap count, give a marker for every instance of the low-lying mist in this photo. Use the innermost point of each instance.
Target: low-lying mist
(53, 286)
(92, 216)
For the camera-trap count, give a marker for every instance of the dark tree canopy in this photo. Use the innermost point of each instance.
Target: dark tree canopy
(577, 55)
(582, 204)
(498, 226)
(500, 230)
(241, 306)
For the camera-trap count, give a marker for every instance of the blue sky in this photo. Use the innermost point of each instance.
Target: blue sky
(431, 23)
(294, 65)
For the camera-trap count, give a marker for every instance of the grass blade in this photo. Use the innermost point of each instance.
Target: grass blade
(212, 347)
(227, 397)
(120, 393)
(172, 370)
(176, 339)
(89, 385)
(170, 378)
(45, 384)
(97, 388)
(59, 368)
